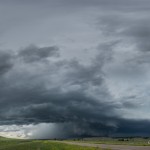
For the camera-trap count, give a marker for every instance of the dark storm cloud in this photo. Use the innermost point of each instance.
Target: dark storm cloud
(34, 96)
(67, 93)
(5, 62)
(133, 128)
(67, 101)
(33, 53)
(39, 87)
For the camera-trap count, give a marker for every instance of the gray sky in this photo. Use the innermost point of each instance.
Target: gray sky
(74, 67)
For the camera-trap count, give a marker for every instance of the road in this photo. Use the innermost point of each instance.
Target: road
(112, 147)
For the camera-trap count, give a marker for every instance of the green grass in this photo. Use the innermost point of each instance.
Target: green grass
(117, 141)
(13, 144)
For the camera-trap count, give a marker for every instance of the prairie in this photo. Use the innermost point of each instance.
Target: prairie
(15, 144)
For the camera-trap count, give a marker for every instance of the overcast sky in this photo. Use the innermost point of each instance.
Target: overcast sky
(72, 68)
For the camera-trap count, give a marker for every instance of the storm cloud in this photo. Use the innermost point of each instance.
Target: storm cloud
(33, 53)
(75, 68)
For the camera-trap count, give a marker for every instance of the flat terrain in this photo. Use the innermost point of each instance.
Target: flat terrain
(13, 144)
(76, 144)
(109, 146)
(115, 141)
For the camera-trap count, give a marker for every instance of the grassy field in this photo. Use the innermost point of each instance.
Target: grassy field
(117, 141)
(13, 144)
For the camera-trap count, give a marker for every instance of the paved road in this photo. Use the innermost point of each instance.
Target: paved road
(112, 147)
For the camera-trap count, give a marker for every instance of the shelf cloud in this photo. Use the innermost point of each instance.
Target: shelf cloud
(74, 68)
